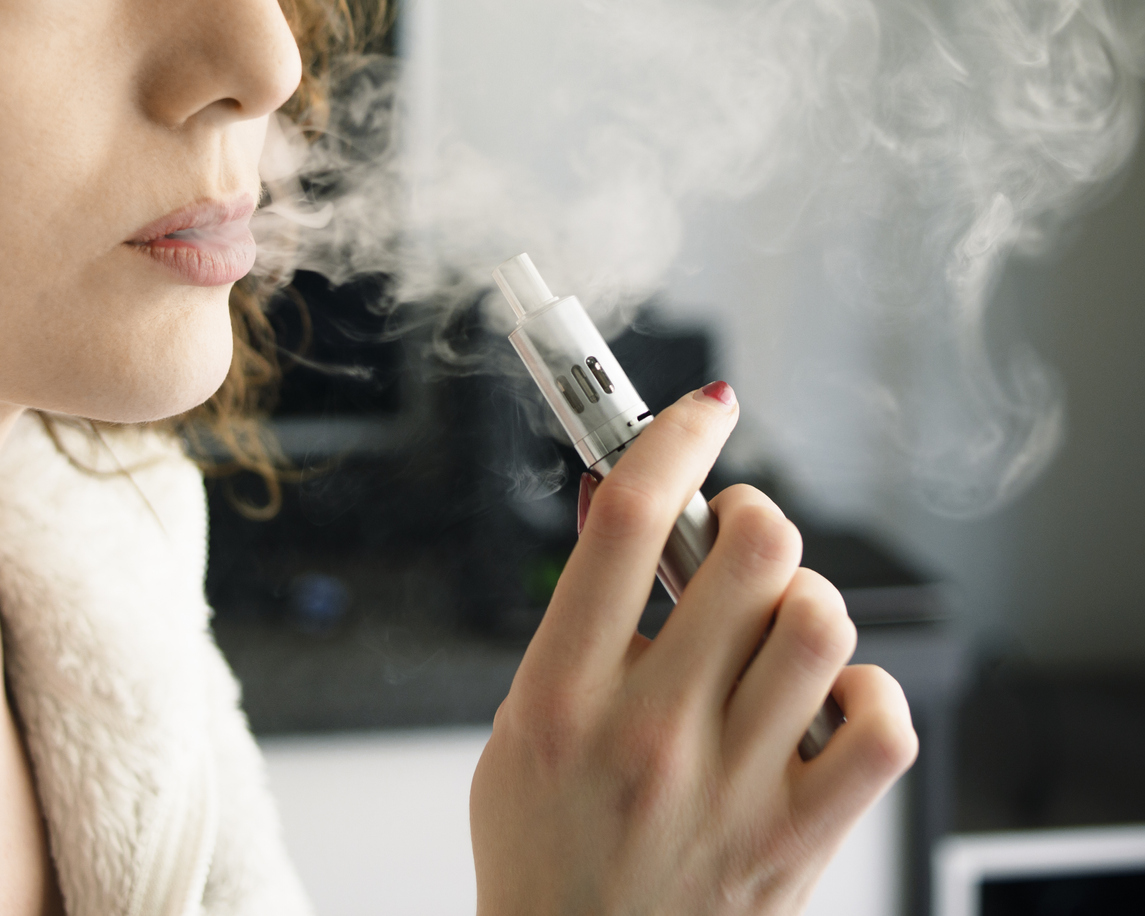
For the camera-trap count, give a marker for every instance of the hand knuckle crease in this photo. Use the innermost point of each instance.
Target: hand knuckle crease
(892, 740)
(762, 538)
(624, 511)
(823, 632)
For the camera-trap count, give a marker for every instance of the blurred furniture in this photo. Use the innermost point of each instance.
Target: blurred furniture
(1042, 748)
(1092, 872)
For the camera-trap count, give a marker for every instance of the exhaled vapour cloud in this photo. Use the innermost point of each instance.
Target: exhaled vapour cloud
(929, 140)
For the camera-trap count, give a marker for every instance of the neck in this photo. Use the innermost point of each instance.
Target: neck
(9, 414)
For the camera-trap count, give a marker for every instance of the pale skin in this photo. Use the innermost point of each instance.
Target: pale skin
(623, 776)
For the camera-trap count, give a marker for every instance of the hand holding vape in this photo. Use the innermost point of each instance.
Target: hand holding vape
(602, 413)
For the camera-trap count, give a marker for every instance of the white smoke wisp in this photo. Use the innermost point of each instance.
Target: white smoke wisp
(928, 141)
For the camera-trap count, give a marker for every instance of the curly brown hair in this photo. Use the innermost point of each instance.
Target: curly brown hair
(233, 417)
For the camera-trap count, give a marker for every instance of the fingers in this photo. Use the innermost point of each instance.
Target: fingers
(875, 746)
(785, 685)
(723, 614)
(606, 582)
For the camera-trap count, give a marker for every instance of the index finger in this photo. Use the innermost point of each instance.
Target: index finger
(605, 585)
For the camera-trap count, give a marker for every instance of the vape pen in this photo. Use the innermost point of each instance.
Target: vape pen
(602, 413)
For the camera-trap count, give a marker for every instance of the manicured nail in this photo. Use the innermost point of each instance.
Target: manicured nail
(587, 488)
(718, 391)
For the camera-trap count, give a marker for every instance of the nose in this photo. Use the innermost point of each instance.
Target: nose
(217, 60)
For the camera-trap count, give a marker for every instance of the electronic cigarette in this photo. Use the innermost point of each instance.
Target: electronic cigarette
(603, 413)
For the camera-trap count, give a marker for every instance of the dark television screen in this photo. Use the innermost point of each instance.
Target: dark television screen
(1103, 894)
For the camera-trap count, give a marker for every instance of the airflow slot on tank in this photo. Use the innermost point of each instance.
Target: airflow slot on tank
(570, 395)
(597, 370)
(585, 384)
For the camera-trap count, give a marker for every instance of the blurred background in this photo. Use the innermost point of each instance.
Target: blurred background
(958, 435)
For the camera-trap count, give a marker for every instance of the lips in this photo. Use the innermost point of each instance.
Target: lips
(206, 244)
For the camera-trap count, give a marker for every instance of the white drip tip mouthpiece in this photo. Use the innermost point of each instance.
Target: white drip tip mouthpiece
(522, 285)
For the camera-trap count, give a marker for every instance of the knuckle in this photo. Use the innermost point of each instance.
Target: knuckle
(547, 724)
(653, 749)
(890, 741)
(652, 758)
(818, 621)
(762, 538)
(502, 715)
(893, 744)
(623, 510)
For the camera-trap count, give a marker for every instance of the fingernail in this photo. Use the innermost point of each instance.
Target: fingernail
(587, 488)
(718, 391)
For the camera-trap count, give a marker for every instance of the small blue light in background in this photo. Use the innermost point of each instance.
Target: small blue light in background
(317, 602)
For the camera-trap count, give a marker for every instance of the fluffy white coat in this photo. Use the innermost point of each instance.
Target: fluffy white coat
(151, 784)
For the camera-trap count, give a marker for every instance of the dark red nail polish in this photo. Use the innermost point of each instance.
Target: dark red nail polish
(719, 391)
(587, 488)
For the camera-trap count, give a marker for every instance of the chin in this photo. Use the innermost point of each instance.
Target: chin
(157, 398)
(174, 389)
(136, 354)
(166, 369)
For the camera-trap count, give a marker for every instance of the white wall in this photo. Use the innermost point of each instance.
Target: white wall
(379, 823)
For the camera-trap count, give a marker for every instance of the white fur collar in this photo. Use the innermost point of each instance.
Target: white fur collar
(150, 783)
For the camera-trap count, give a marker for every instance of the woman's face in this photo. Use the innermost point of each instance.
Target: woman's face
(123, 122)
